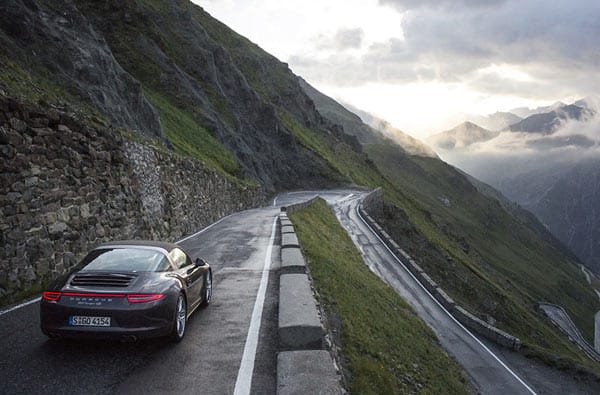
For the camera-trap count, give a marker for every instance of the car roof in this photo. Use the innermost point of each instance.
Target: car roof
(143, 243)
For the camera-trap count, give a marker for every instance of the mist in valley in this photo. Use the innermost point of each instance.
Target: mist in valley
(555, 173)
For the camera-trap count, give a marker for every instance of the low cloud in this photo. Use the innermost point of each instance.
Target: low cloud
(349, 38)
(548, 143)
(512, 153)
(404, 5)
(342, 40)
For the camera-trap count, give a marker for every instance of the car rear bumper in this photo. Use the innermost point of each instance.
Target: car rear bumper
(139, 320)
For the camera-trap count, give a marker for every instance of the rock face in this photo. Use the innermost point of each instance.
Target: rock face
(68, 183)
(335, 112)
(59, 39)
(230, 87)
(67, 186)
(566, 199)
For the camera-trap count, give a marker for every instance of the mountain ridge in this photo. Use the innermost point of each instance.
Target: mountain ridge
(533, 161)
(461, 136)
(547, 123)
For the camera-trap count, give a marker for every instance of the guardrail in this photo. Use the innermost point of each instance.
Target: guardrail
(304, 366)
(462, 315)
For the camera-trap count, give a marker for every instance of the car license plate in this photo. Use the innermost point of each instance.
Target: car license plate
(81, 320)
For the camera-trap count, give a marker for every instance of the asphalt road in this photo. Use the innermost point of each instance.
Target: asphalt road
(231, 346)
(560, 317)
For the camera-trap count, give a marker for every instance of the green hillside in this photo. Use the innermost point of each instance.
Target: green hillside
(482, 255)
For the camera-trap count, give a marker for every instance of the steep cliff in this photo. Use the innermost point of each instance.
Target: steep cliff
(228, 86)
(565, 198)
(56, 41)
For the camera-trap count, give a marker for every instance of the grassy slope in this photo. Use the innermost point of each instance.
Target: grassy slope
(385, 346)
(482, 255)
(191, 139)
(27, 80)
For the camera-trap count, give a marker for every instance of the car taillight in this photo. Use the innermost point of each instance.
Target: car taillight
(142, 298)
(51, 296)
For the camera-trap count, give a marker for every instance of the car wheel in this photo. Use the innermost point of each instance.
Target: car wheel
(207, 290)
(180, 319)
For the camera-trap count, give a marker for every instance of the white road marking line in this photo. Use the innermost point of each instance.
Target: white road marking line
(243, 382)
(587, 276)
(345, 198)
(446, 311)
(35, 300)
(204, 230)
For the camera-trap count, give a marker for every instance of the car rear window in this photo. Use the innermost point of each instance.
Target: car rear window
(128, 259)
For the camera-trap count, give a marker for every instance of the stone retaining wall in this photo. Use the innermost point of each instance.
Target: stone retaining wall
(462, 315)
(66, 186)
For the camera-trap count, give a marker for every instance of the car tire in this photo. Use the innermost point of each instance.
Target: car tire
(207, 289)
(180, 319)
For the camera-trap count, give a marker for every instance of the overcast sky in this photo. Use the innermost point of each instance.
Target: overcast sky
(421, 63)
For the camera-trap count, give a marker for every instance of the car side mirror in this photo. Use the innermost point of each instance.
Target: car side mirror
(200, 262)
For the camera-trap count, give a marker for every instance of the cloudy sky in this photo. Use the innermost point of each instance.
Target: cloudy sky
(421, 63)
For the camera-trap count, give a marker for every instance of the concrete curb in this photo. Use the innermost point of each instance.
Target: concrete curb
(289, 240)
(299, 323)
(292, 261)
(306, 372)
(298, 206)
(463, 316)
(287, 229)
(304, 367)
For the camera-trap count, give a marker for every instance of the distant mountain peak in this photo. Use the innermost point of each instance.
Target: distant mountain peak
(461, 136)
(549, 122)
(497, 121)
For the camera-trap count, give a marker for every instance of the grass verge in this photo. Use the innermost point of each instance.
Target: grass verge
(385, 347)
(191, 139)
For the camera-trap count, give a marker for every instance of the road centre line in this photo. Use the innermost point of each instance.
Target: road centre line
(444, 309)
(243, 382)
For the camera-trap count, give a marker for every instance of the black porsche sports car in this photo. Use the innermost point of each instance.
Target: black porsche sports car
(127, 290)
